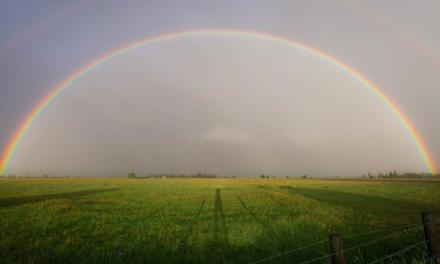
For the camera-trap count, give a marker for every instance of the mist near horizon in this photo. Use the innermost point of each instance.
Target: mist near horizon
(229, 105)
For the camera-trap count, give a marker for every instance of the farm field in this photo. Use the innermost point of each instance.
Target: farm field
(211, 220)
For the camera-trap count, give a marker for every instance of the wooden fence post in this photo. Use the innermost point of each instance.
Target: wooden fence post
(431, 237)
(337, 249)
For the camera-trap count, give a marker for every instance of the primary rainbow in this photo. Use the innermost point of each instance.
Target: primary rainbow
(24, 127)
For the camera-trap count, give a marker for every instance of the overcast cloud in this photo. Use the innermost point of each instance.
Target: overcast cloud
(232, 104)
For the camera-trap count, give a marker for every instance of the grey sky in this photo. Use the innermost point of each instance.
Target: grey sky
(229, 105)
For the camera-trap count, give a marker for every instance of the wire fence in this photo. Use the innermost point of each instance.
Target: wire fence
(374, 241)
(290, 251)
(380, 231)
(395, 232)
(399, 252)
(318, 258)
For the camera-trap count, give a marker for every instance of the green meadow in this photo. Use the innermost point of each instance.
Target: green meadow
(212, 220)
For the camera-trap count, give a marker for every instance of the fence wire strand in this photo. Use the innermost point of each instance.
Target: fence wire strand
(390, 235)
(399, 252)
(380, 231)
(382, 238)
(400, 230)
(319, 258)
(290, 251)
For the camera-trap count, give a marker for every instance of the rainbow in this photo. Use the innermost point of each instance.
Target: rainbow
(26, 124)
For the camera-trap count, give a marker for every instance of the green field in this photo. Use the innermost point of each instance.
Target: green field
(210, 220)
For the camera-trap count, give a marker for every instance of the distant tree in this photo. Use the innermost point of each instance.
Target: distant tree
(262, 176)
(132, 175)
(305, 176)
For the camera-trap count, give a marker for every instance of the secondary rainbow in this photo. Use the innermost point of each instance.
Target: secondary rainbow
(26, 124)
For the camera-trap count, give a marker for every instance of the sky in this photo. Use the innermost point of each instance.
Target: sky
(230, 104)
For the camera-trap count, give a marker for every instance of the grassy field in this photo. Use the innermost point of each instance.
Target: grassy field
(209, 220)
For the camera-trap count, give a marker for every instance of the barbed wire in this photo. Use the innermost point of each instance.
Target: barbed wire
(399, 252)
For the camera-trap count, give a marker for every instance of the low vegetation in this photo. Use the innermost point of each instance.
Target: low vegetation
(210, 220)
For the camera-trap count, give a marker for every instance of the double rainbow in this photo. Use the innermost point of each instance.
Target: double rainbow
(14, 142)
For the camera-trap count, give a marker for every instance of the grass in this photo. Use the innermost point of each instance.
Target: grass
(208, 220)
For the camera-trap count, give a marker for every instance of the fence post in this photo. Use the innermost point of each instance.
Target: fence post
(337, 249)
(431, 237)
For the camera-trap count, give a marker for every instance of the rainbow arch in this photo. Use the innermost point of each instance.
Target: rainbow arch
(15, 140)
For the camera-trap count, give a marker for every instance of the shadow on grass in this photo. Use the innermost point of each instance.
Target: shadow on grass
(283, 205)
(220, 229)
(264, 224)
(184, 244)
(22, 200)
(158, 246)
(217, 249)
(349, 200)
(360, 203)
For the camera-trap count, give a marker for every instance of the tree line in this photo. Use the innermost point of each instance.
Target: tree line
(133, 175)
(395, 174)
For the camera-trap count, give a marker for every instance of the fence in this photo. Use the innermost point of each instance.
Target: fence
(337, 253)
